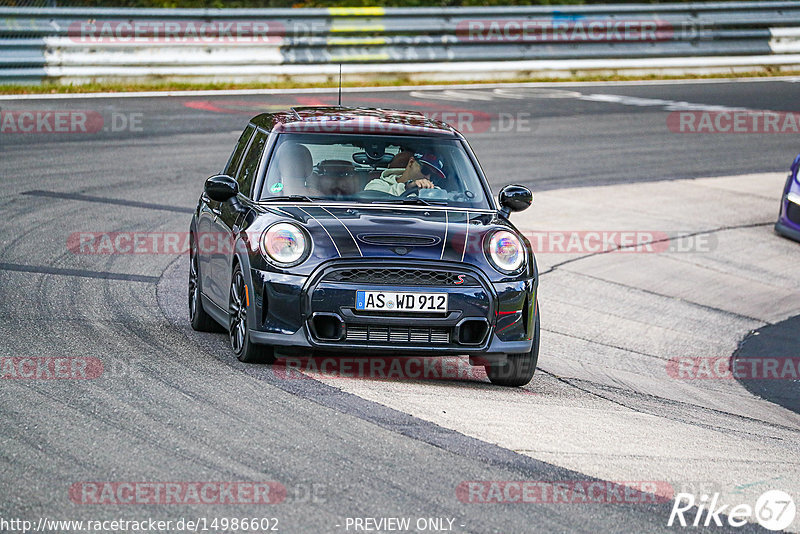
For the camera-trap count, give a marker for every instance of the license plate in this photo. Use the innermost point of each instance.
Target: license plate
(392, 301)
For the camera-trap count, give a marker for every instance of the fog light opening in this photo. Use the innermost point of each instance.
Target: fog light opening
(328, 327)
(472, 332)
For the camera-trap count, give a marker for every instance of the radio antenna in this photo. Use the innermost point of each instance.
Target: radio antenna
(340, 84)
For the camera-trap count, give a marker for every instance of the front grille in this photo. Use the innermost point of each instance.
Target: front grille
(397, 334)
(400, 277)
(793, 212)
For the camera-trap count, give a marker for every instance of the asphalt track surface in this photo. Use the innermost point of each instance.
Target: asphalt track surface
(174, 405)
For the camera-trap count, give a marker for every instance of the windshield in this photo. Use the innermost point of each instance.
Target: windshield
(373, 169)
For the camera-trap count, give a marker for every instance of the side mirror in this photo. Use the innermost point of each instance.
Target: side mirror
(221, 187)
(514, 198)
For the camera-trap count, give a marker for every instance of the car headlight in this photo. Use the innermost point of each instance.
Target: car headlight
(285, 244)
(505, 251)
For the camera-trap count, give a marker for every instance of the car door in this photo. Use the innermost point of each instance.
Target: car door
(210, 210)
(229, 214)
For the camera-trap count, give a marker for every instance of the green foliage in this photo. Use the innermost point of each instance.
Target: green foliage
(335, 3)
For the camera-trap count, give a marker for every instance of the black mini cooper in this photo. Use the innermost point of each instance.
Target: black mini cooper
(368, 231)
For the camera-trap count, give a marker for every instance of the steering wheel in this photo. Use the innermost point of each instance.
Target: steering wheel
(410, 191)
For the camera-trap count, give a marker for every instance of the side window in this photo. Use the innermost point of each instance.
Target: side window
(250, 165)
(236, 156)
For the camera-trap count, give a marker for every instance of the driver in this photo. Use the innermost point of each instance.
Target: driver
(419, 172)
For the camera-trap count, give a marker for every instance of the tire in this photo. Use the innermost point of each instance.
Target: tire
(519, 368)
(245, 350)
(200, 320)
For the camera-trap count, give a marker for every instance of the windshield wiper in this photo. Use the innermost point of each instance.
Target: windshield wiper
(415, 200)
(288, 198)
(424, 202)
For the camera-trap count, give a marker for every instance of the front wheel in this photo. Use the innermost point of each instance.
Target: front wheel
(518, 369)
(245, 350)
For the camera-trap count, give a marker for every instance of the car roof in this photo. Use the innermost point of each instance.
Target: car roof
(356, 120)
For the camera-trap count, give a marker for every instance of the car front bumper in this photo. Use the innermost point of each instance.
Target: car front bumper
(786, 230)
(318, 313)
(788, 224)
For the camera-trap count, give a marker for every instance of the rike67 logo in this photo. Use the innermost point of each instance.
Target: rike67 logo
(774, 510)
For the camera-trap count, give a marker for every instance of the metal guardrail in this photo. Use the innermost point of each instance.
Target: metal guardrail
(80, 44)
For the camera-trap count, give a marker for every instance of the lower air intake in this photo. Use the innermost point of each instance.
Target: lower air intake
(398, 335)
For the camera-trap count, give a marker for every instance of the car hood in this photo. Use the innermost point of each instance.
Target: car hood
(420, 233)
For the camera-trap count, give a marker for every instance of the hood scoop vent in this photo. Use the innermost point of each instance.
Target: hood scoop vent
(392, 240)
